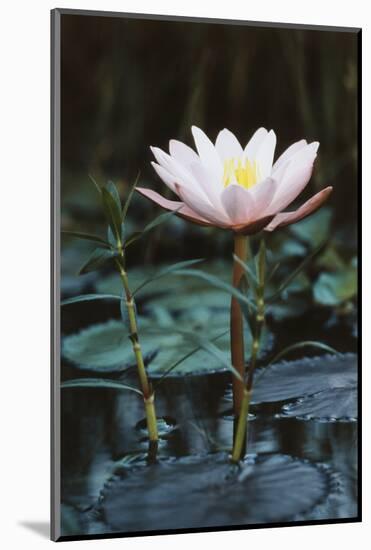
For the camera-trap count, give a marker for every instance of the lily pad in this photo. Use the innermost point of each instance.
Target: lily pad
(315, 229)
(207, 491)
(337, 404)
(332, 289)
(102, 348)
(106, 347)
(306, 376)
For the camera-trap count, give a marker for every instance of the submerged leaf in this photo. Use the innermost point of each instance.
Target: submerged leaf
(332, 289)
(205, 491)
(337, 404)
(306, 376)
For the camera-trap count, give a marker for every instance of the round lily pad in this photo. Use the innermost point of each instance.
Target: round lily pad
(107, 348)
(306, 376)
(207, 491)
(103, 347)
(337, 404)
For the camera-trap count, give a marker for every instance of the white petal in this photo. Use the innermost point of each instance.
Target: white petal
(255, 141)
(238, 204)
(203, 208)
(263, 194)
(264, 155)
(182, 153)
(207, 182)
(166, 177)
(182, 175)
(295, 177)
(207, 152)
(228, 146)
(288, 154)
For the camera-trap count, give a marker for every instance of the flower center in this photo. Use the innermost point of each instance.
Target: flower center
(244, 173)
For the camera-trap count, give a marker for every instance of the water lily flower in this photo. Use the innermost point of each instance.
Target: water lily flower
(242, 189)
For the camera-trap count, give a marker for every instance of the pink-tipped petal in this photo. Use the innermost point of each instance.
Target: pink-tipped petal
(182, 153)
(252, 227)
(295, 177)
(183, 210)
(254, 143)
(202, 208)
(311, 205)
(238, 204)
(181, 174)
(166, 177)
(228, 146)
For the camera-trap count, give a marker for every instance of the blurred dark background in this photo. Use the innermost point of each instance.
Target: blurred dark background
(128, 84)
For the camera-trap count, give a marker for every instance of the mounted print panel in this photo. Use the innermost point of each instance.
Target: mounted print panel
(205, 271)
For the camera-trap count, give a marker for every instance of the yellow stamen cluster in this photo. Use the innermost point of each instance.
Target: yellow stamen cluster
(245, 174)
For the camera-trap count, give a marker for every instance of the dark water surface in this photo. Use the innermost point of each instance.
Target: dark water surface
(107, 486)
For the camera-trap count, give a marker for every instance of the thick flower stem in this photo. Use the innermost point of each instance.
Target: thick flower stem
(236, 325)
(148, 395)
(240, 439)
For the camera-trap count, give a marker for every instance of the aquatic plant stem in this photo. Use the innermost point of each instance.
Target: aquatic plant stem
(148, 395)
(236, 325)
(241, 436)
(241, 433)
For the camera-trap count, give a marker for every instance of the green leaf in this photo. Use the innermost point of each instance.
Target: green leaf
(162, 218)
(86, 237)
(98, 258)
(260, 264)
(89, 298)
(169, 369)
(167, 271)
(294, 273)
(98, 383)
(251, 277)
(112, 189)
(211, 348)
(112, 211)
(98, 188)
(218, 283)
(104, 347)
(130, 196)
(314, 229)
(332, 289)
(300, 345)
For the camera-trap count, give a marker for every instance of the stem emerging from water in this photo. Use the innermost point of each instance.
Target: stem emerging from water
(148, 395)
(236, 324)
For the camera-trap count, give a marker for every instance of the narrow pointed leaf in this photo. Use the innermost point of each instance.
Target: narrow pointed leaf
(86, 237)
(98, 258)
(98, 383)
(180, 361)
(299, 345)
(112, 212)
(112, 189)
(166, 271)
(208, 346)
(218, 283)
(162, 218)
(249, 272)
(89, 298)
(98, 188)
(294, 273)
(130, 196)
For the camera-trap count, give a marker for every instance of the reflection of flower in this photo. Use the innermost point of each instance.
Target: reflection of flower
(235, 188)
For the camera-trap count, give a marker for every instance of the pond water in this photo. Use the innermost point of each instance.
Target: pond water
(105, 477)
